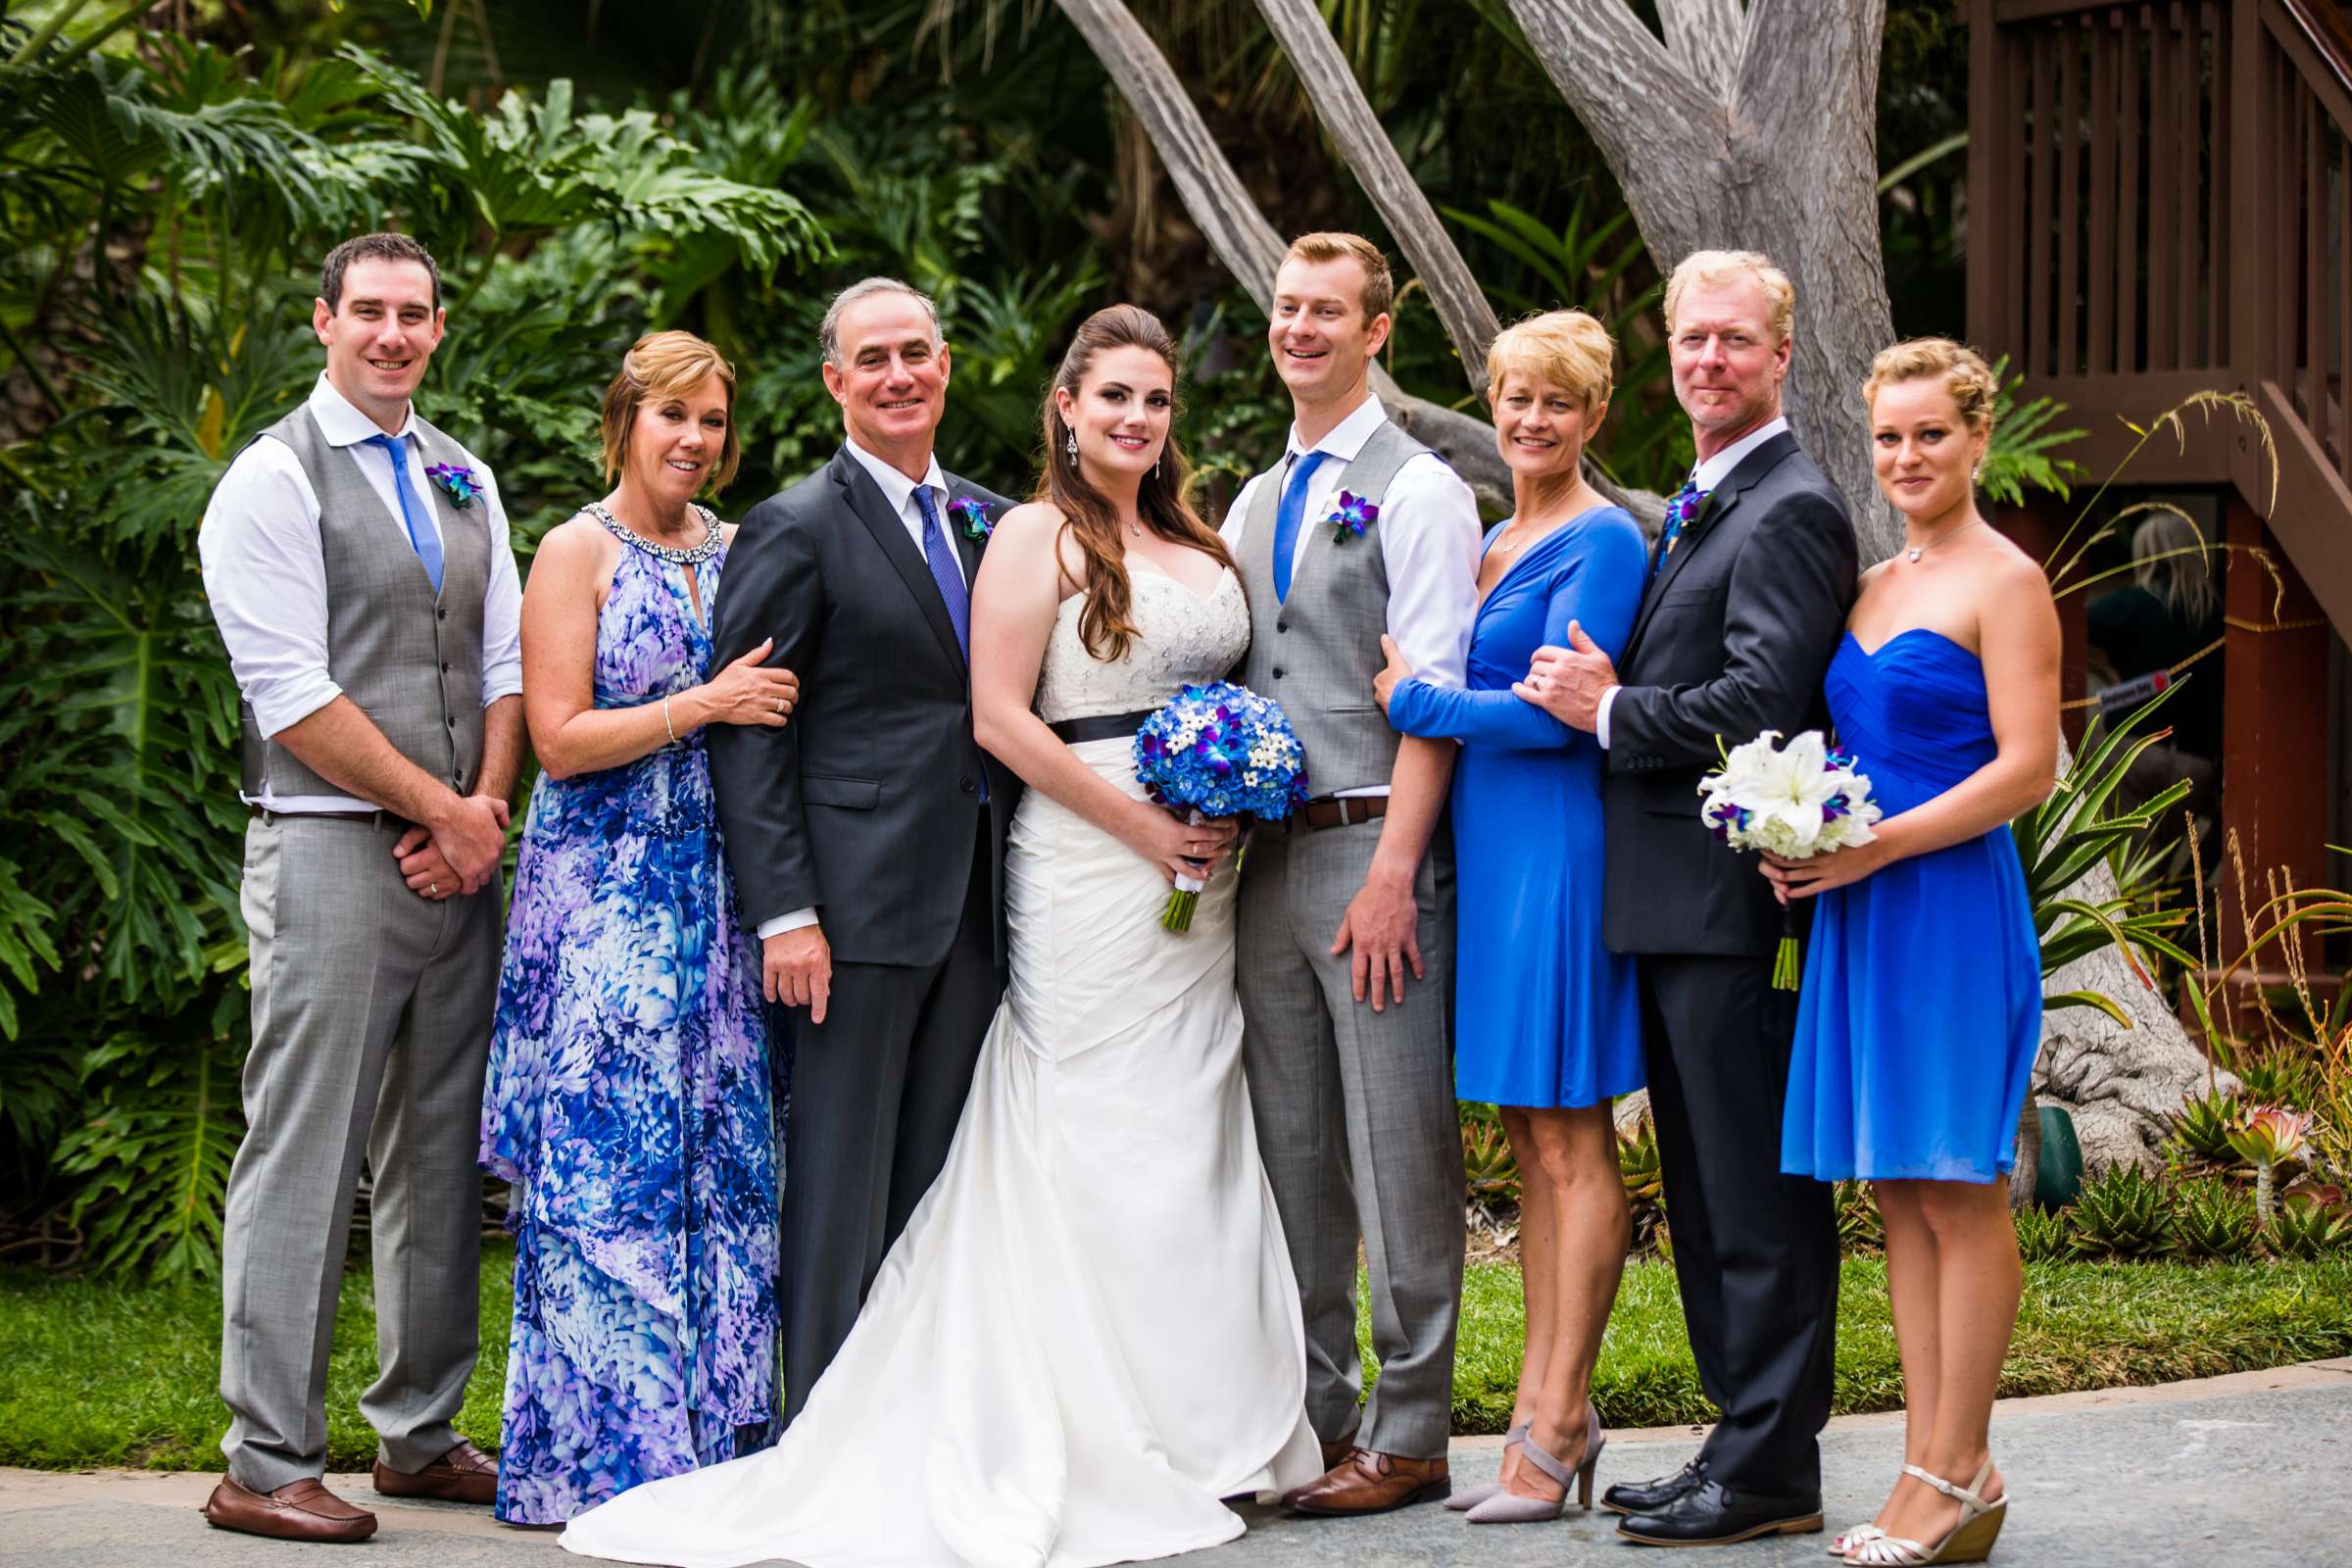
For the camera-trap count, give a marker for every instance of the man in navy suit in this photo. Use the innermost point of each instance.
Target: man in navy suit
(1747, 595)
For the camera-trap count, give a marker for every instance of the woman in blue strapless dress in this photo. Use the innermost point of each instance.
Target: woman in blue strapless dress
(1547, 1020)
(1921, 1010)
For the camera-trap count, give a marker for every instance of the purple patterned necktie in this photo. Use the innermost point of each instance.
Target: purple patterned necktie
(939, 555)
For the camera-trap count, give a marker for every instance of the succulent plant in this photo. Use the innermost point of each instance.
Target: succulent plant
(1641, 1169)
(2203, 1126)
(2214, 1220)
(2281, 1079)
(2122, 1214)
(1860, 1229)
(1487, 1165)
(2266, 1137)
(2042, 1234)
(2306, 1227)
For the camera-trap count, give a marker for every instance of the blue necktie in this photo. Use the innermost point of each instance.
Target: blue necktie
(1289, 515)
(424, 538)
(1680, 513)
(940, 556)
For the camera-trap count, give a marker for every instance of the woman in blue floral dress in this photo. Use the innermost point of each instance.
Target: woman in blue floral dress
(629, 1096)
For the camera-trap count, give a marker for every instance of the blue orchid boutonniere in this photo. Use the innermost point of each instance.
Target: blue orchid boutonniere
(973, 515)
(1353, 515)
(457, 480)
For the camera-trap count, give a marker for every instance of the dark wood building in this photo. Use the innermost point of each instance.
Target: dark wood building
(2160, 204)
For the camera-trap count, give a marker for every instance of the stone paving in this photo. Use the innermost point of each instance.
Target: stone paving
(2253, 1470)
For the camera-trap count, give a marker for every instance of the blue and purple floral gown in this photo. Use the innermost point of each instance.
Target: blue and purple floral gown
(629, 1100)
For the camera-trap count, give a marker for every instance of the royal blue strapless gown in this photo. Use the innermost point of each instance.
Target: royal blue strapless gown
(1921, 1012)
(1544, 1013)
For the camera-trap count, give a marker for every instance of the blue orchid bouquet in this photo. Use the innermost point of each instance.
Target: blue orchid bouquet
(1218, 750)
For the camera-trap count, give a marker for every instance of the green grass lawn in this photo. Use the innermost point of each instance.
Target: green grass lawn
(105, 1374)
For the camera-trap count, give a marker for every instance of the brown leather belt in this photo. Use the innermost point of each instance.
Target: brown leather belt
(1337, 811)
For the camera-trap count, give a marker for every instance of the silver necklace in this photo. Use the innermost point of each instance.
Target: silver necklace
(1916, 551)
(691, 556)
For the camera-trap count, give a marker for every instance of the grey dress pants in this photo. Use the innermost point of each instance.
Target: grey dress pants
(371, 1014)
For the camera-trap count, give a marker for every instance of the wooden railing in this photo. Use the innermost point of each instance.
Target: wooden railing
(2160, 203)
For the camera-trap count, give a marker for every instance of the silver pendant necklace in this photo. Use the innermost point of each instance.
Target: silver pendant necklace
(1916, 551)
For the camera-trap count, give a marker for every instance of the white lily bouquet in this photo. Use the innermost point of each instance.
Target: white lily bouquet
(1793, 802)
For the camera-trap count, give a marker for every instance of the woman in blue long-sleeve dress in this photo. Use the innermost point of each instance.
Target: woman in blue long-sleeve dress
(629, 1098)
(1548, 1020)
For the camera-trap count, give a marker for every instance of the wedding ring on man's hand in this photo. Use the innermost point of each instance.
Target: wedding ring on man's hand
(435, 887)
(782, 706)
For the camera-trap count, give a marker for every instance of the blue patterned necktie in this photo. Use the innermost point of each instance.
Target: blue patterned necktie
(1680, 513)
(940, 556)
(1288, 517)
(423, 537)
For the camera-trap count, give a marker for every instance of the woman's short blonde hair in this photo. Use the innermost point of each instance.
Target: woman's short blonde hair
(1965, 374)
(663, 366)
(1565, 348)
(1714, 269)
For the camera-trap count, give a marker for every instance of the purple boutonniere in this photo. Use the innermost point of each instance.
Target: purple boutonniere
(973, 515)
(1353, 517)
(457, 480)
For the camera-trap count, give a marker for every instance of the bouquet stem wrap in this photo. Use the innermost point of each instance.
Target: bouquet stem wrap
(1183, 898)
(1788, 963)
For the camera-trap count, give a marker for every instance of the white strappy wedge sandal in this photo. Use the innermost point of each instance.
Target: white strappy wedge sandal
(1852, 1538)
(1969, 1540)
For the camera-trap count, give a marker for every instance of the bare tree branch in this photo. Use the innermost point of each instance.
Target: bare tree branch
(1341, 105)
(1706, 37)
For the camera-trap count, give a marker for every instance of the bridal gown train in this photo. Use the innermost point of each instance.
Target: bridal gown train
(1089, 1332)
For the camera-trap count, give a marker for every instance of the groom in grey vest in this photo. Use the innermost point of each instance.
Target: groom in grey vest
(1347, 907)
(357, 564)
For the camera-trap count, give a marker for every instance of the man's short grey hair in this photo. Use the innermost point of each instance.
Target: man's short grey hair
(828, 335)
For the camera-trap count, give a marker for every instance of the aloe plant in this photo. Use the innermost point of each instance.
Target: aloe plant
(2306, 1228)
(2121, 1216)
(2212, 1219)
(2202, 1127)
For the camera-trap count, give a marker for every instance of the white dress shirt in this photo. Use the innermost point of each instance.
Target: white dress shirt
(1429, 534)
(1708, 474)
(899, 491)
(265, 577)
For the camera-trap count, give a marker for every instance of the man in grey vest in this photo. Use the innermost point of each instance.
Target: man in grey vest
(357, 564)
(1353, 1087)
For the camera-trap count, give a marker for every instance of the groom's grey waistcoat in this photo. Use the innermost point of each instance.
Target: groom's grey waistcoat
(412, 661)
(1317, 651)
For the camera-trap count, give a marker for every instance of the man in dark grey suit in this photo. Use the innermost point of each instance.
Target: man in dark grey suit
(1747, 597)
(866, 837)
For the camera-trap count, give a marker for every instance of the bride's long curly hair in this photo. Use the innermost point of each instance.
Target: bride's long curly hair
(1107, 625)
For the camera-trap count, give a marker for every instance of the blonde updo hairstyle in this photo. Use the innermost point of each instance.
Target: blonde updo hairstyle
(660, 365)
(1567, 348)
(1966, 375)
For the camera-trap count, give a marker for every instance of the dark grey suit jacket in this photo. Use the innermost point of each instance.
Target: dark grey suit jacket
(1732, 638)
(867, 804)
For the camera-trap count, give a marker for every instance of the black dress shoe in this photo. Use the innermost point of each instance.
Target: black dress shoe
(1712, 1514)
(1640, 1496)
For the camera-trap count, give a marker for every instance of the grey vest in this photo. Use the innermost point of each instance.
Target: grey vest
(412, 662)
(1317, 651)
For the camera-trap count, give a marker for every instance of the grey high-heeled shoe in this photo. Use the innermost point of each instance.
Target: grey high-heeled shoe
(1470, 1497)
(1509, 1508)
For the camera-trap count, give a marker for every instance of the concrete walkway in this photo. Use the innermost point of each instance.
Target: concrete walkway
(2254, 1470)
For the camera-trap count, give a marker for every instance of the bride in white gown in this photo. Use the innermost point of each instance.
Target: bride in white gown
(1089, 1333)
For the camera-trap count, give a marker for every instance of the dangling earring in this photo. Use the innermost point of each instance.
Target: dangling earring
(1156, 467)
(1070, 446)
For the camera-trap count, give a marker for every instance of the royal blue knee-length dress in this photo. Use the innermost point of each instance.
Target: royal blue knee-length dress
(1545, 1014)
(1921, 1012)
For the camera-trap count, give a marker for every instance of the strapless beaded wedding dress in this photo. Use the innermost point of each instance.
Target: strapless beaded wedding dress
(1089, 1333)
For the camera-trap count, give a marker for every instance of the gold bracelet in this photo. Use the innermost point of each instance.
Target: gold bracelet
(666, 723)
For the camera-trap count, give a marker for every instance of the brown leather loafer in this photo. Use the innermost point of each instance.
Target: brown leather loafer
(304, 1510)
(464, 1474)
(1372, 1482)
